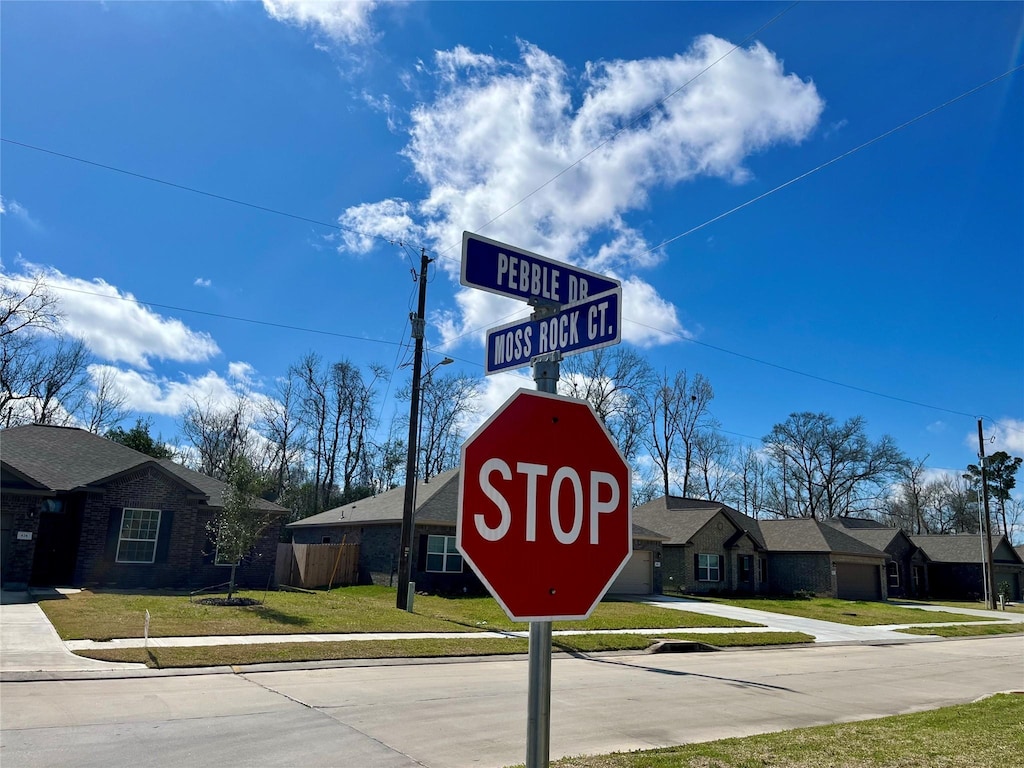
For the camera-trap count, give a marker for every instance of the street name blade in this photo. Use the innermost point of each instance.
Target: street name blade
(576, 328)
(510, 271)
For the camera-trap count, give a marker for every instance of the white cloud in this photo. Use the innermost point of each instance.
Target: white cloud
(152, 394)
(1006, 435)
(114, 326)
(343, 22)
(498, 132)
(202, 282)
(11, 207)
(242, 373)
(365, 225)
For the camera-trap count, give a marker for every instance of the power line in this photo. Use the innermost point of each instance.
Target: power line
(403, 345)
(196, 191)
(803, 373)
(206, 313)
(837, 158)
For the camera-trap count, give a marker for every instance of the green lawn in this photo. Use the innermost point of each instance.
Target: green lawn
(985, 734)
(226, 655)
(966, 630)
(106, 615)
(866, 613)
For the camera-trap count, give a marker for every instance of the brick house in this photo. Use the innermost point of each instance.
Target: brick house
(78, 509)
(895, 543)
(375, 524)
(950, 567)
(810, 555)
(708, 547)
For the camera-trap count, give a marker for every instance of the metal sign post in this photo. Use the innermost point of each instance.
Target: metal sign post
(538, 695)
(574, 310)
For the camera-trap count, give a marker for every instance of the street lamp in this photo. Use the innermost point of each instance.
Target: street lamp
(405, 592)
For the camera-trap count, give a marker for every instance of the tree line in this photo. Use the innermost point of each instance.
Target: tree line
(312, 444)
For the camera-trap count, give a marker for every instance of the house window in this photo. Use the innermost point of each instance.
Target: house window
(442, 555)
(708, 568)
(894, 575)
(325, 540)
(136, 542)
(762, 565)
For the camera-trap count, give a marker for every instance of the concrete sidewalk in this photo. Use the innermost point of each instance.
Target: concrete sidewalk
(29, 643)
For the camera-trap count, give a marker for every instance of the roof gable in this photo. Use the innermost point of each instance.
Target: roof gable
(680, 519)
(62, 459)
(65, 458)
(962, 548)
(810, 535)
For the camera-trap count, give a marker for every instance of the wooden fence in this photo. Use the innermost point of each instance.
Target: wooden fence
(317, 565)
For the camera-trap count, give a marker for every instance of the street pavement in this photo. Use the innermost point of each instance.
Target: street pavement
(463, 713)
(30, 645)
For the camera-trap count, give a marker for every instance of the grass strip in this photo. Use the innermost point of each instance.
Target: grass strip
(225, 655)
(855, 613)
(966, 630)
(984, 734)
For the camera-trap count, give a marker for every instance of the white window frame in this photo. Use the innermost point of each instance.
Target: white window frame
(122, 538)
(449, 551)
(704, 565)
(893, 572)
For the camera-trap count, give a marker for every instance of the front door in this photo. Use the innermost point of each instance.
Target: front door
(57, 546)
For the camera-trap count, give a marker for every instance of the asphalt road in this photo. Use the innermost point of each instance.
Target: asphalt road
(473, 713)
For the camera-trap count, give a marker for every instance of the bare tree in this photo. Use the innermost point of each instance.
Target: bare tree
(907, 507)
(445, 404)
(613, 380)
(825, 469)
(675, 414)
(219, 434)
(713, 475)
(43, 376)
(749, 487)
(279, 425)
(106, 403)
(335, 409)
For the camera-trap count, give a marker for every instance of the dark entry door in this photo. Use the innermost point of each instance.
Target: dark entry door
(56, 546)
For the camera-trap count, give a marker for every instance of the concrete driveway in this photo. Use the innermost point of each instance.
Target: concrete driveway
(29, 643)
(824, 631)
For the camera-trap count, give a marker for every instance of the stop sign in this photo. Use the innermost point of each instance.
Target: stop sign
(544, 507)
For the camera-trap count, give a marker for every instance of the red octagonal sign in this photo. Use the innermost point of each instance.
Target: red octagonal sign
(544, 507)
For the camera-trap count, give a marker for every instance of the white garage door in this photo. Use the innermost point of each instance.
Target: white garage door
(637, 577)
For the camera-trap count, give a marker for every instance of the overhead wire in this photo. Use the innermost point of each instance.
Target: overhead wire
(664, 243)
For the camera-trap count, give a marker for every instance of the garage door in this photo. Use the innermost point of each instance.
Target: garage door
(637, 577)
(857, 581)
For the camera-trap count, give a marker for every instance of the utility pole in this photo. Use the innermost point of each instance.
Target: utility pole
(403, 601)
(990, 576)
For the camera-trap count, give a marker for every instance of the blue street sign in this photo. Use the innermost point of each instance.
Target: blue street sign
(508, 271)
(580, 327)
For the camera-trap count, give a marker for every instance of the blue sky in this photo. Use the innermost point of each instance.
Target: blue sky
(897, 270)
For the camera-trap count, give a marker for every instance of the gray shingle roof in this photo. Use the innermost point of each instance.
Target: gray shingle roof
(437, 502)
(944, 548)
(679, 519)
(67, 458)
(809, 535)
